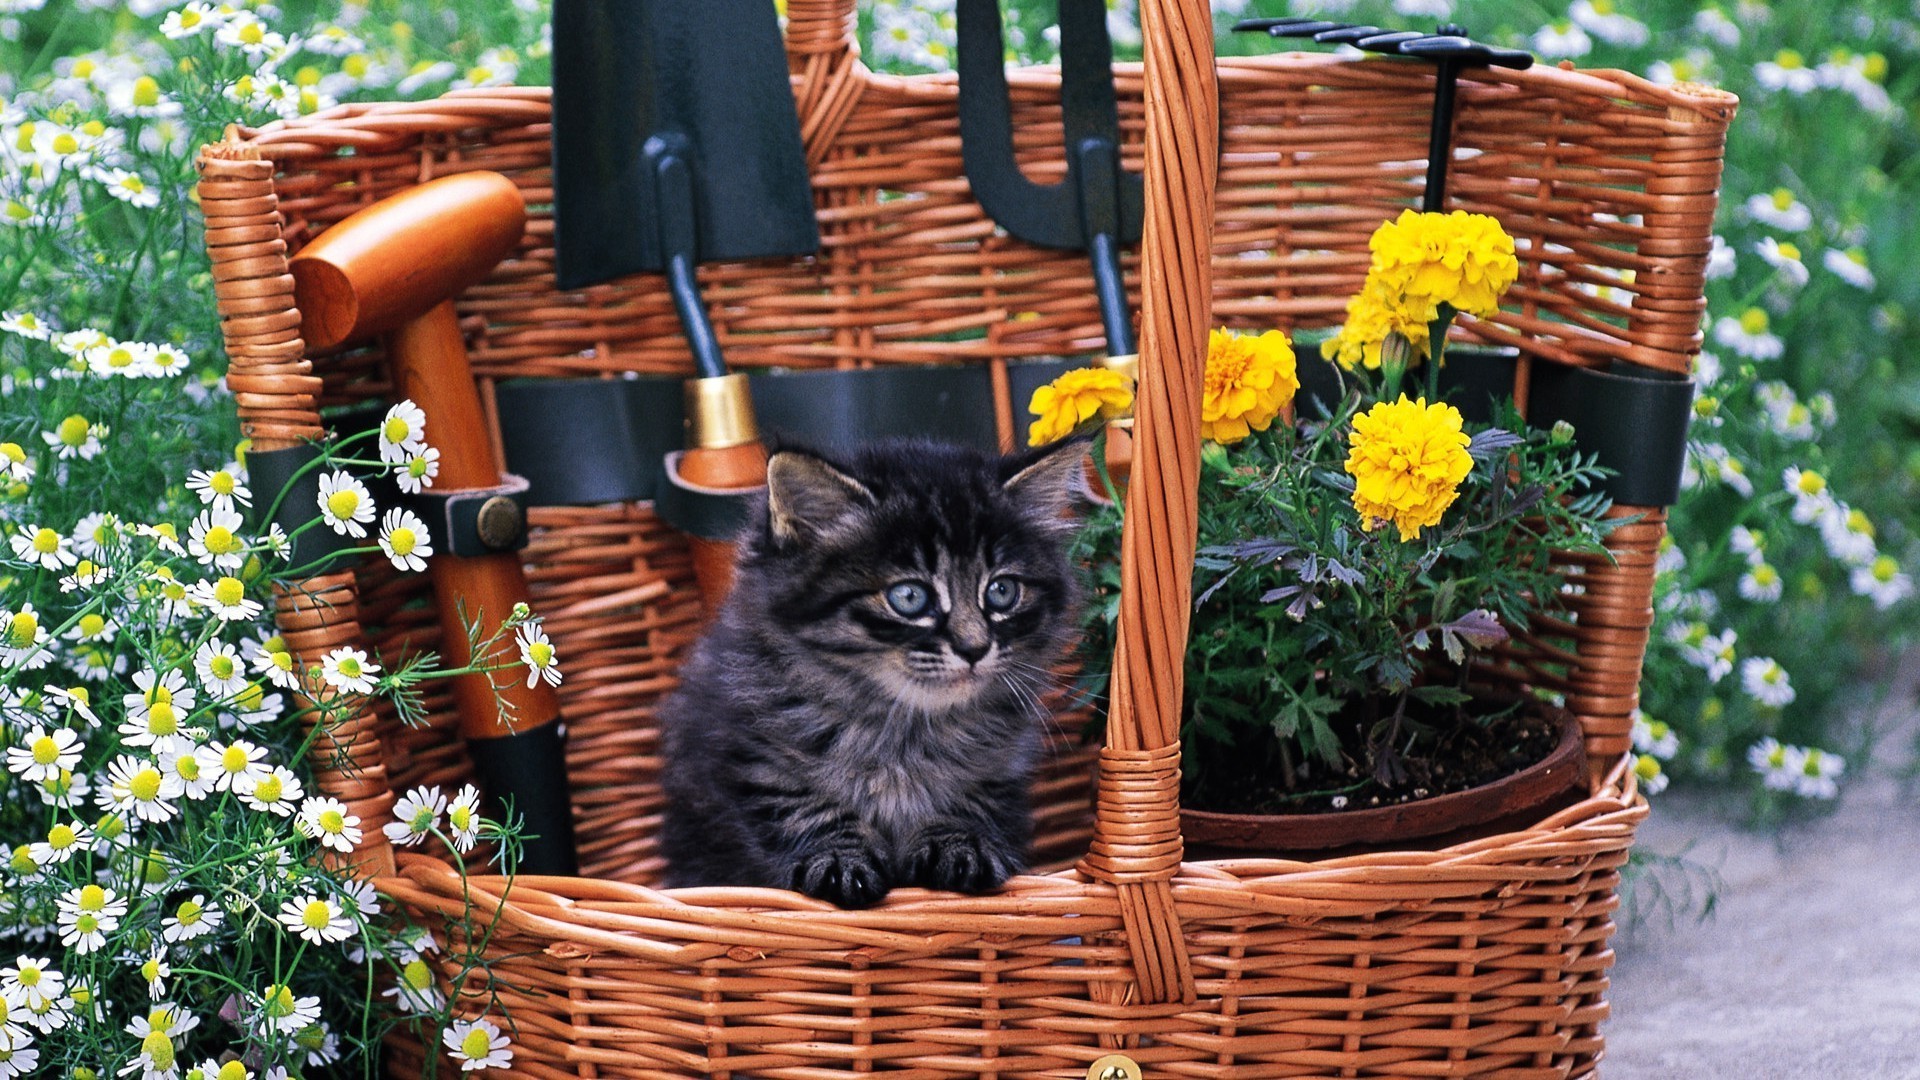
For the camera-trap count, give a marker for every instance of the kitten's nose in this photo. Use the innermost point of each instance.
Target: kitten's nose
(970, 652)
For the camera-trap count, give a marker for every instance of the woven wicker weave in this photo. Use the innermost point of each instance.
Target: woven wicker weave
(1484, 959)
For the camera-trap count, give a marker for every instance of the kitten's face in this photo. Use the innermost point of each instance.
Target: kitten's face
(938, 575)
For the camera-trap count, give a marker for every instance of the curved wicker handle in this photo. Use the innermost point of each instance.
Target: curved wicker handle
(818, 27)
(1137, 843)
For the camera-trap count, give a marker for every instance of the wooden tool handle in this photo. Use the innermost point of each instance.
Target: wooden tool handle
(731, 468)
(430, 366)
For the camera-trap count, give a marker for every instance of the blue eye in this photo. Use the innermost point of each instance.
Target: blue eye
(909, 598)
(1002, 594)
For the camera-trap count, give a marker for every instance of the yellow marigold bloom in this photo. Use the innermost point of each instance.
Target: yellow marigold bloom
(1071, 400)
(1248, 381)
(1407, 459)
(1425, 260)
(1370, 318)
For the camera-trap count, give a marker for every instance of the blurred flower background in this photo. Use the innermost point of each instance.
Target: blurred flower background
(125, 652)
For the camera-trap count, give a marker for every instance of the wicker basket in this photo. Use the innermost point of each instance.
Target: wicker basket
(1488, 958)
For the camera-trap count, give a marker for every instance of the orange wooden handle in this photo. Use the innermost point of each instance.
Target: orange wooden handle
(729, 468)
(384, 265)
(430, 365)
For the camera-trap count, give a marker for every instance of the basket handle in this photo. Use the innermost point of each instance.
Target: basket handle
(820, 28)
(1137, 845)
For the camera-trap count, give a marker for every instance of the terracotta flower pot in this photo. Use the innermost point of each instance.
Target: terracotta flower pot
(1513, 801)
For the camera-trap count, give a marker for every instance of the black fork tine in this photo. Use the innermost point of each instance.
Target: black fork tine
(1449, 50)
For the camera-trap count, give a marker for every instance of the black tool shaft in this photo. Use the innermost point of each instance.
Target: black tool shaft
(674, 211)
(1440, 139)
(1111, 288)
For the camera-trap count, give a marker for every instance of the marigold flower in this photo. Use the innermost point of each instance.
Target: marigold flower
(1425, 260)
(1248, 381)
(1072, 399)
(1370, 318)
(1407, 459)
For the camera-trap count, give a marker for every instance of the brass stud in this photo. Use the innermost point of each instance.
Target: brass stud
(1115, 1067)
(499, 523)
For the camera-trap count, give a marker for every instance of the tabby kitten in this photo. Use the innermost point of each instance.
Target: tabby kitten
(864, 710)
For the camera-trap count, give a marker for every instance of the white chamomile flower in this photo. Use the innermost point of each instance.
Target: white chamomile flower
(357, 897)
(345, 505)
(404, 539)
(316, 919)
(1762, 583)
(195, 18)
(1599, 18)
(1849, 536)
(477, 1045)
(167, 360)
(1748, 335)
(286, 1013)
(536, 652)
(326, 819)
(348, 670)
(126, 359)
(244, 31)
(233, 766)
(1787, 71)
(18, 1055)
(138, 786)
(417, 472)
(24, 639)
(416, 815)
(1778, 764)
(221, 671)
(333, 40)
(277, 793)
(1749, 543)
(416, 990)
(159, 1055)
(1812, 501)
(272, 659)
(42, 754)
(156, 713)
(41, 546)
(1883, 581)
(1849, 265)
(62, 843)
(1563, 39)
(196, 782)
(1783, 256)
(252, 707)
(321, 1045)
(463, 818)
(1713, 24)
(156, 971)
(402, 432)
(1820, 773)
(1721, 260)
(87, 915)
(68, 791)
(220, 488)
(127, 186)
(1780, 210)
(25, 324)
(164, 536)
(86, 574)
(1766, 681)
(225, 598)
(1787, 415)
(191, 919)
(16, 469)
(214, 539)
(30, 983)
(1653, 779)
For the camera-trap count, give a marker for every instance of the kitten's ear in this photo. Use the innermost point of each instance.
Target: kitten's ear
(806, 497)
(1050, 481)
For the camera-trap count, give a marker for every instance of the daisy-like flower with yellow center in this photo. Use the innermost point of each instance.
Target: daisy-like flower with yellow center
(219, 488)
(1249, 380)
(214, 539)
(193, 918)
(275, 792)
(315, 919)
(87, 915)
(142, 788)
(536, 652)
(43, 547)
(477, 1045)
(1073, 399)
(284, 1012)
(416, 990)
(328, 821)
(1407, 459)
(345, 504)
(225, 598)
(416, 815)
(62, 843)
(402, 432)
(273, 659)
(42, 754)
(404, 539)
(348, 670)
(1424, 260)
(463, 818)
(416, 473)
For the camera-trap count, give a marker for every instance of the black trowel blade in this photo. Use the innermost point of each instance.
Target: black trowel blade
(710, 71)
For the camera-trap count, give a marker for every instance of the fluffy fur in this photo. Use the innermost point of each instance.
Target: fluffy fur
(832, 737)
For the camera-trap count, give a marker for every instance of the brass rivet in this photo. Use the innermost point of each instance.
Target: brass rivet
(499, 523)
(1114, 1067)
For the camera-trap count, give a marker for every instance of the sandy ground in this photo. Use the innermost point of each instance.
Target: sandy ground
(1809, 966)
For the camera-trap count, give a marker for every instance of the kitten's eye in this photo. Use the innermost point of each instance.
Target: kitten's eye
(1002, 594)
(910, 598)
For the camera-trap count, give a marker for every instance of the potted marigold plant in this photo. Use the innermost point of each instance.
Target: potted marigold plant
(1359, 560)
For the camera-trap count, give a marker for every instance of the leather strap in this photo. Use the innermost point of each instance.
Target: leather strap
(1632, 418)
(708, 513)
(534, 760)
(270, 471)
(478, 521)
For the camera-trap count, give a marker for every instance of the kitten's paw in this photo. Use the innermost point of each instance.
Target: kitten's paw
(847, 877)
(960, 862)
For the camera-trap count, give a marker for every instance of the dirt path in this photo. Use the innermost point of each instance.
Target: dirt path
(1810, 967)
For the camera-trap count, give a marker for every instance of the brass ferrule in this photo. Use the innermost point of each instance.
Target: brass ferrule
(1127, 364)
(720, 413)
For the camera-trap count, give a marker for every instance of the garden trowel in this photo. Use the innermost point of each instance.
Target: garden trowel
(675, 142)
